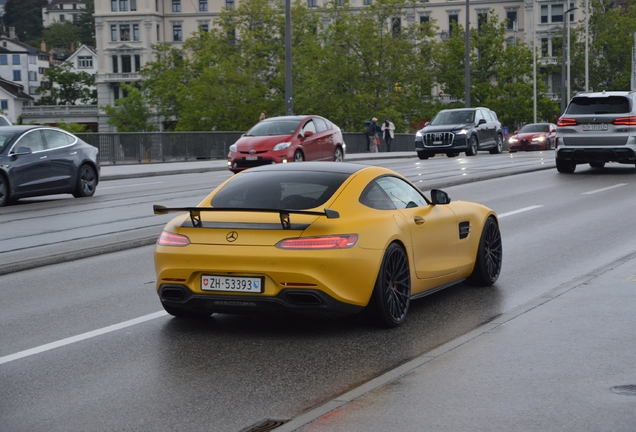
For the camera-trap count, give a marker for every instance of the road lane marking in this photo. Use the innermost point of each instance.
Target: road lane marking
(525, 209)
(129, 185)
(604, 189)
(81, 337)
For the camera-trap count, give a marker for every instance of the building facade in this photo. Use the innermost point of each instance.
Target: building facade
(62, 11)
(125, 30)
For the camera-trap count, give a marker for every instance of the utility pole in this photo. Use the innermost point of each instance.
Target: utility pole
(289, 100)
(467, 58)
(564, 49)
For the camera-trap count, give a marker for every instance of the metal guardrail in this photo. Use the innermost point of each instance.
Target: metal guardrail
(140, 147)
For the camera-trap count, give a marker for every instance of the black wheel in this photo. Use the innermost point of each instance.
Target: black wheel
(392, 292)
(498, 145)
(86, 182)
(452, 155)
(299, 156)
(565, 166)
(338, 156)
(489, 256)
(473, 145)
(597, 164)
(185, 313)
(423, 155)
(4, 191)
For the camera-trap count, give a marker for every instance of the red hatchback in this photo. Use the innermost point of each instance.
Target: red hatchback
(534, 136)
(287, 139)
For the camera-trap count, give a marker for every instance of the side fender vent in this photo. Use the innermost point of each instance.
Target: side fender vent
(464, 229)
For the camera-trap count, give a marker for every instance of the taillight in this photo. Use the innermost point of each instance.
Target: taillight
(565, 121)
(626, 121)
(324, 242)
(171, 239)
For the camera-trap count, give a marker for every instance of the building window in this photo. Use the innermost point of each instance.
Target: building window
(544, 14)
(204, 28)
(453, 20)
(203, 5)
(4, 104)
(126, 66)
(557, 13)
(137, 62)
(60, 6)
(158, 33)
(33, 76)
(3, 59)
(424, 19)
(544, 47)
(75, 6)
(133, 5)
(482, 19)
(136, 32)
(62, 19)
(177, 35)
(311, 3)
(229, 4)
(84, 62)
(113, 33)
(512, 19)
(396, 27)
(75, 17)
(123, 5)
(17, 75)
(115, 64)
(176, 5)
(124, 32)
(113, 5)
(16, 59)
(367, 2)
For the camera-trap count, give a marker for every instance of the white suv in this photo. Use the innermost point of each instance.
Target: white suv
(596, 128)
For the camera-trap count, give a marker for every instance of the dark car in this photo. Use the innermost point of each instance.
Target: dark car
(453, 131)
(533, 136)
(287, 139)
(42, 160)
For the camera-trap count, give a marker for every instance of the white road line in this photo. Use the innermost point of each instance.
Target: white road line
(81, 337)
(525, 209)
(604, 189)
(129, 185)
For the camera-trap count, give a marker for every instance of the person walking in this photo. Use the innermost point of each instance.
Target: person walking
(388, 129)
(372, 139)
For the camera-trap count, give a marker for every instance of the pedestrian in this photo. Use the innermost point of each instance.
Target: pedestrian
(387, 131)
(262, 117)
(372, 137)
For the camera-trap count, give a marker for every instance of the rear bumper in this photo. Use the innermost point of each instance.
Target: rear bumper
(597, 154)
(305, 301)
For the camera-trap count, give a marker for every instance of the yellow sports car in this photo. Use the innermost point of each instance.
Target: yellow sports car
(321, 237)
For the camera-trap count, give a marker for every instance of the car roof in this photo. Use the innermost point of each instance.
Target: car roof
(22, 128)
(334, 167)
(294, 117)
(605, 93)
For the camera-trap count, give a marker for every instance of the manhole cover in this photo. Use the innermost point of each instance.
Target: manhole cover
(628, 390)
(265, 426)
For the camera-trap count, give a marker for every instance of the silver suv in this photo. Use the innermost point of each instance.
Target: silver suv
(596, 128)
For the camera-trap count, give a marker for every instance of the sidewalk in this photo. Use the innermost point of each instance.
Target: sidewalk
(563, 362)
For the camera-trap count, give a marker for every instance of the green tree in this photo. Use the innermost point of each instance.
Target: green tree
(72, 127)
(62, 85)
(64, 35)
(86, 24)
(130, 113)
(26, 17)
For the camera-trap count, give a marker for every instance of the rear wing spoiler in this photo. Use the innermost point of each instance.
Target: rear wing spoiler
(195, 213)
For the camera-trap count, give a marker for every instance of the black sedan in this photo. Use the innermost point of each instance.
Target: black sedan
(43, 160)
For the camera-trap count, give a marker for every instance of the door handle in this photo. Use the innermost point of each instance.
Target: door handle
(43, 157)
(418, 220)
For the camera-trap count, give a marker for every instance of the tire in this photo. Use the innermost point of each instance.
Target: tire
(498, 145)
(392, 292)
(338, 156)
(423, 155)
(489, 256)
(597, 164)
(185, 313)
(4, 191)
(565, 166)
(452, 155)
(473, 146)
(299, 156)
(86, 182)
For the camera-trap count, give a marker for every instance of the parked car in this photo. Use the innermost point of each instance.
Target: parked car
(596, 128)
(321, 237)
(287, 139)
(42, 160)
(453, 131)
(533, 136)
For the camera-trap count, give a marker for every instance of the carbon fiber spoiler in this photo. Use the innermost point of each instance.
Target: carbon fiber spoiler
(195, 213)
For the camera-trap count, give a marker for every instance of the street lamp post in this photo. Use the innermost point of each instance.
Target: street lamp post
(564, 49)
(289, 97)
(467, 58)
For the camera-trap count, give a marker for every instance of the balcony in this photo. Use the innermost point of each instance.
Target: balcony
(60, 111)
(117, 77)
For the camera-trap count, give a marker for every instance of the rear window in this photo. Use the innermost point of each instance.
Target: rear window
(599, 105)
(289, 190)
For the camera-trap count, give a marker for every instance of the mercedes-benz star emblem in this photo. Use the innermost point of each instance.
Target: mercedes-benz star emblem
(231, 236)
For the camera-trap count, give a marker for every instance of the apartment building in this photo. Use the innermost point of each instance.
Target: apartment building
(62, 11)
(126, 29)
(22, 64)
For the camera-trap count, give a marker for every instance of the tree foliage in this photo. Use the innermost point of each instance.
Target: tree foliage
(63, 85)
(64, 35)
(26, 17)
(130, 113)
(86, 24)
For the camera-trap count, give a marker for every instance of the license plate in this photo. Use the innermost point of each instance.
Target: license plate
(595, 127)
(232, 283)
(251, 157)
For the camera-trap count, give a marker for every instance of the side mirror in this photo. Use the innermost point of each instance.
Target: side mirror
(307, 134)
(439, 197)
(22, 151)
(481, 121)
